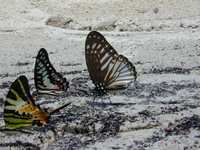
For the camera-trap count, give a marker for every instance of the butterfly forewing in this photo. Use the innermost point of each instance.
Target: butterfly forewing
(20, 109)
(46, 78)
(99, 54)
(107, 69)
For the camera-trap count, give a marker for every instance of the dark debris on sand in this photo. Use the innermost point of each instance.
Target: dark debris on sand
(183, 126)
(96, 121)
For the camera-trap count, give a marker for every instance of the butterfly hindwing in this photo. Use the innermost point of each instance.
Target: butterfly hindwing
(46, 78)
(107, 69)
(20, 109)
(119, 75)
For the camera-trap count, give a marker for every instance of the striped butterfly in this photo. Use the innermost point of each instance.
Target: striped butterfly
(107, 69)
(47, 79)
(20, 110)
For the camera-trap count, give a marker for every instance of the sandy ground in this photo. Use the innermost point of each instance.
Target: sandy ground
(162, 38)
(116, 15)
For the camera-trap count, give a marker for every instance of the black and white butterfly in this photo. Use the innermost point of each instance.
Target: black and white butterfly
(47, 79)
(107, 69)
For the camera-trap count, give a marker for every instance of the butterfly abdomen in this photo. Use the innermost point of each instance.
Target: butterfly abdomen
(40, 116)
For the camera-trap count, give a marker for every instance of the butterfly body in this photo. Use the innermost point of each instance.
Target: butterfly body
(108, 70)
(47, 79)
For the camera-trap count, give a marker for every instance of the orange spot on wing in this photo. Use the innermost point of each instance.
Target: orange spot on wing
(36, 112)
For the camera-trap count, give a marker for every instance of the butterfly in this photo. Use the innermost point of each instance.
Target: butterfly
(47, 79)
(20, 109)
(107, 69)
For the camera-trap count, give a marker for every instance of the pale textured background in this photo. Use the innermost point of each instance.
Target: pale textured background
(162, 39)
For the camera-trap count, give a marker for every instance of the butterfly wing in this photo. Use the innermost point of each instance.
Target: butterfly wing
(107, 69)
(46, 78)
(20, 110)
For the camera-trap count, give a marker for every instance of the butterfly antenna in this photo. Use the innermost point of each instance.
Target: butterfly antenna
(59, 108)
